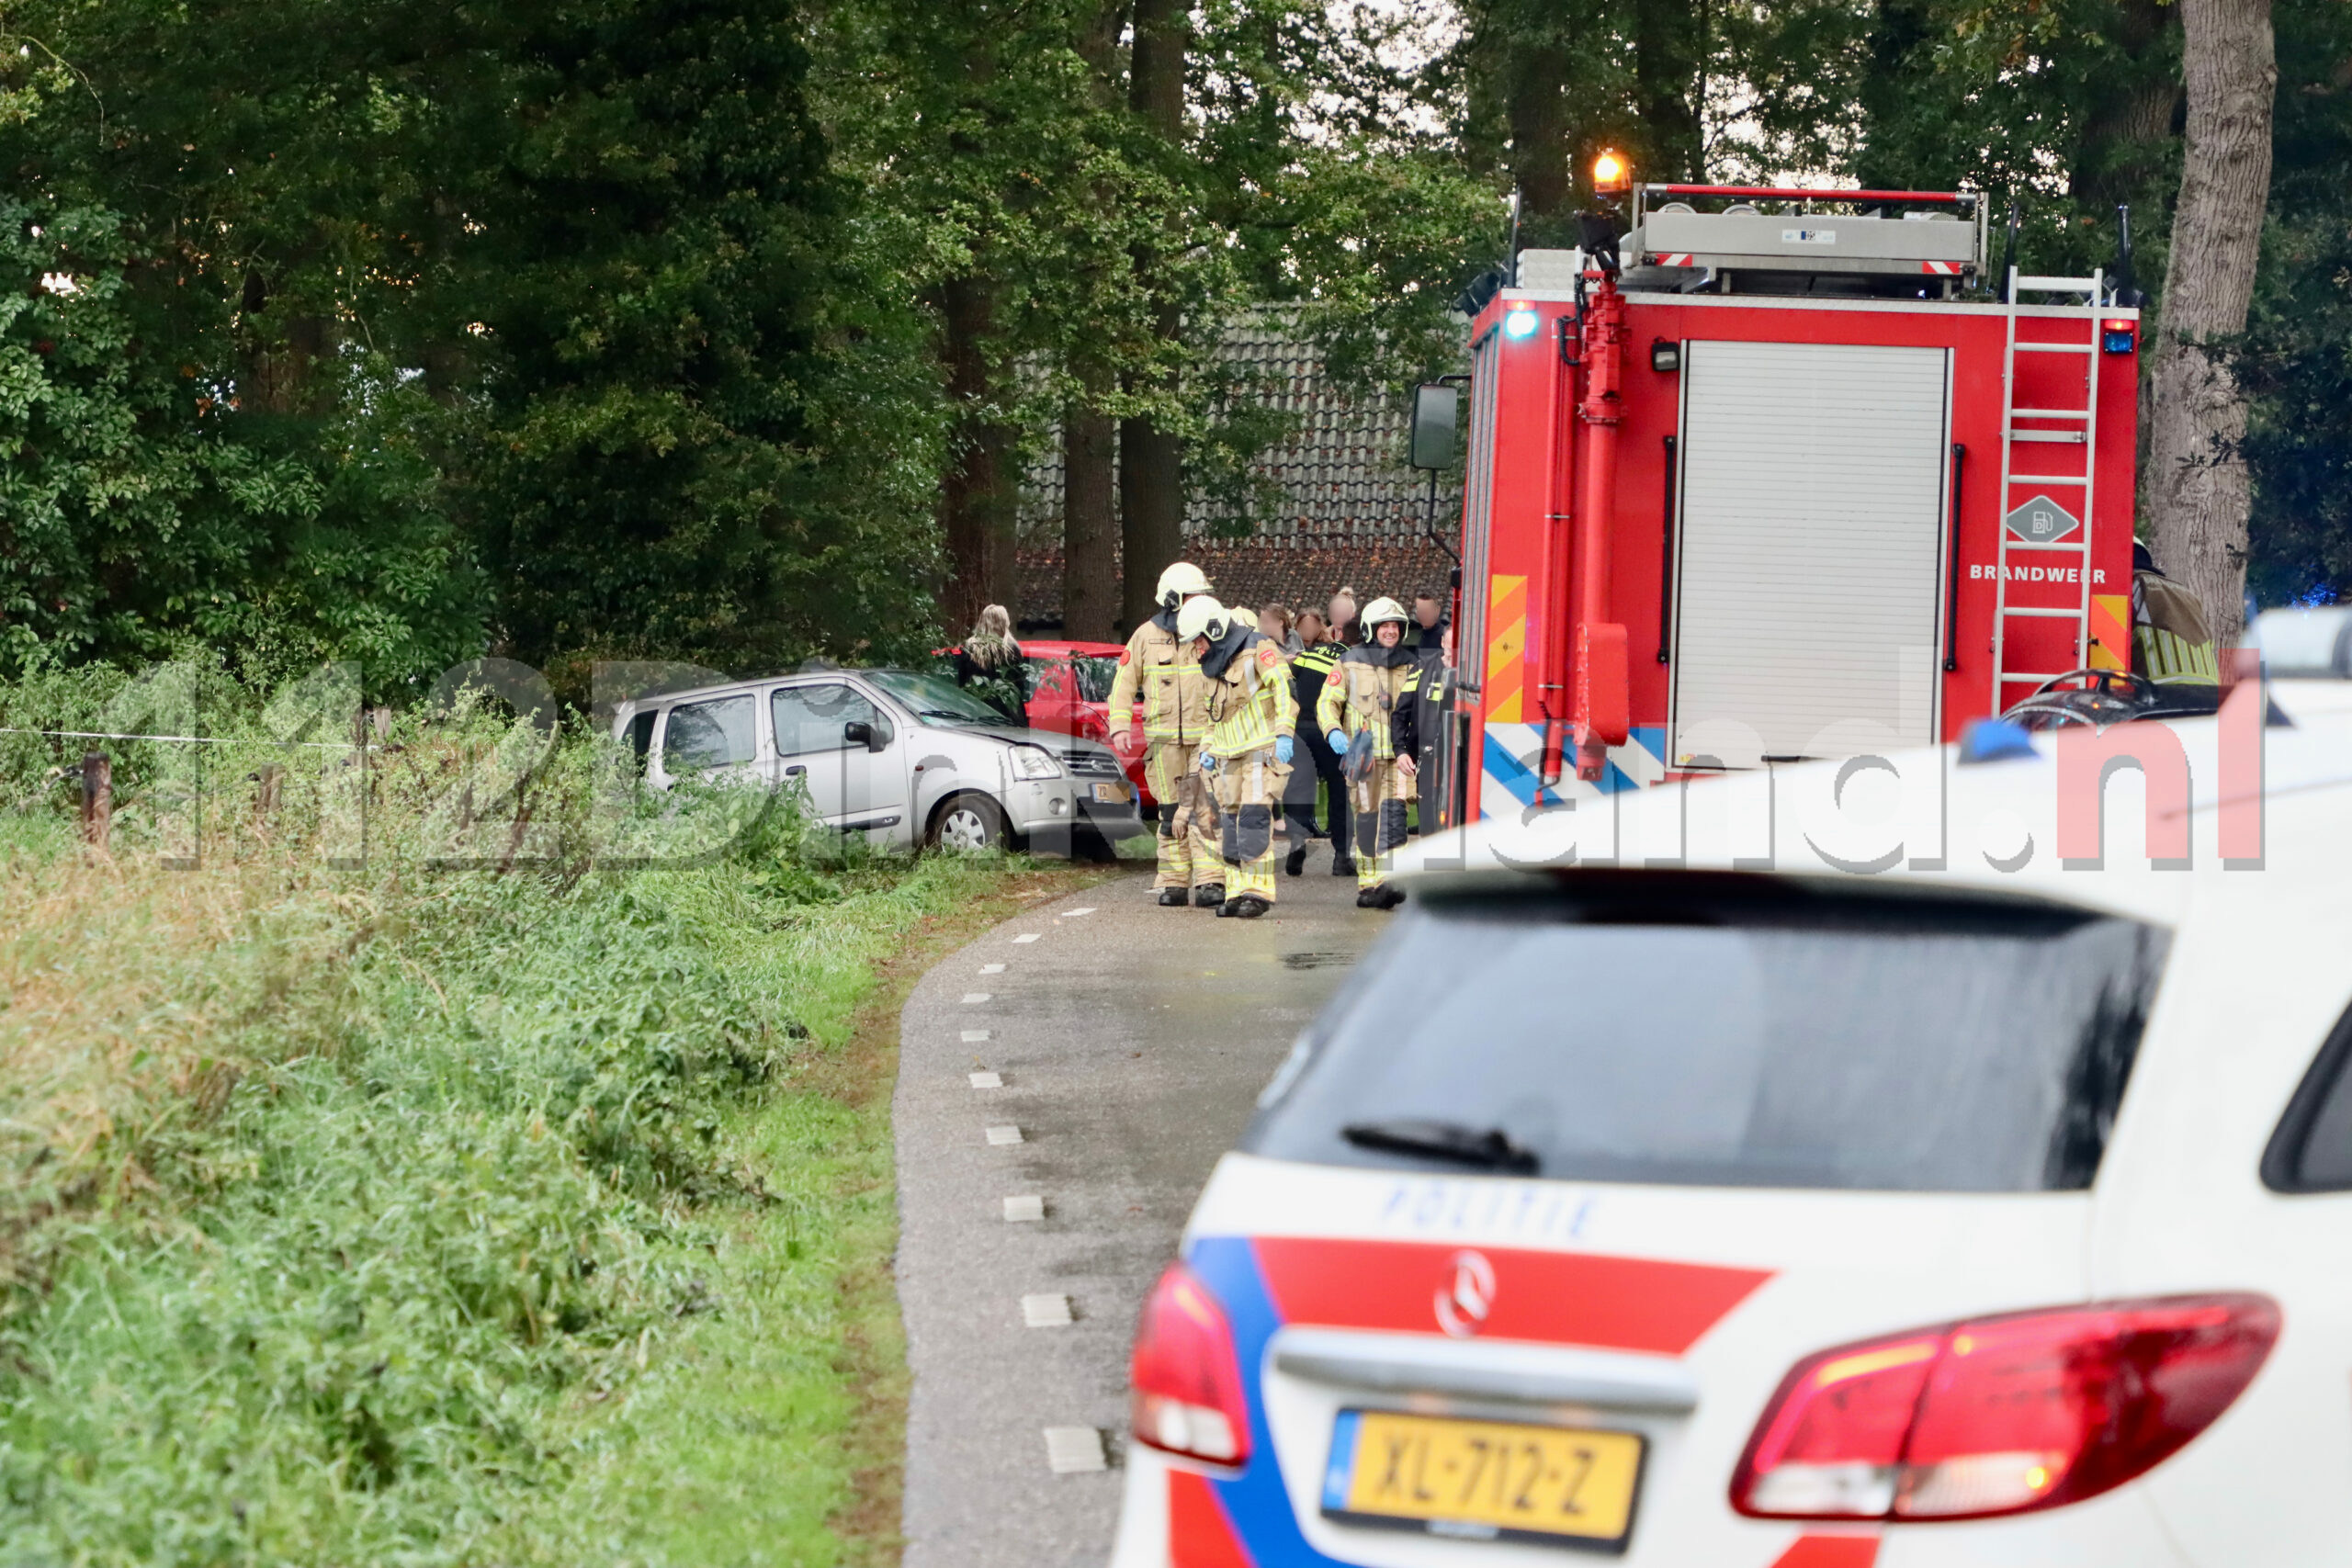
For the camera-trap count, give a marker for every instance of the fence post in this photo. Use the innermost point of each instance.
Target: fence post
(97, 799)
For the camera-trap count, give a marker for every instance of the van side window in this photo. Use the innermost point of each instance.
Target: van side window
(641, 734)
(813, 718)
(2312, 1150)
(714, 734)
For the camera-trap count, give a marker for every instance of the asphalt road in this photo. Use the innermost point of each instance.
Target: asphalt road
(1132, 1042)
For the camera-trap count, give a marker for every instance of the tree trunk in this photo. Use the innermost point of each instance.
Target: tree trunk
(1151, 460)
(2128, 122)
(1669, 39)
(976, 502)
(1151, 510)
(1536, 105)
(1089, 525)
(1090, 438)
(2195, 484)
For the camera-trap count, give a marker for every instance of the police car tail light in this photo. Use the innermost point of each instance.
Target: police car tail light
(2000, 1415)
(1187, 1378)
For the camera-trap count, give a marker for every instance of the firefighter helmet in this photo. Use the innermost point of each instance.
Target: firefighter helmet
(1379, 610)
(1246, 616)
(1203, 616)
(1178, 583)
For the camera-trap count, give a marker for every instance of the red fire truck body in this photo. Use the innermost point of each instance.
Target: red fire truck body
(1710, 529)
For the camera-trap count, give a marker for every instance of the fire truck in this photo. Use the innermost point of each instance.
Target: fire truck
(1761, 474)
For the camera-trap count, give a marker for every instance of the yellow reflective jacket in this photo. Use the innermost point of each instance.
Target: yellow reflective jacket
(1175, 694)
(1250, 702)
(1364, 689)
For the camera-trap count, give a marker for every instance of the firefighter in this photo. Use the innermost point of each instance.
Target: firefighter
(1310, 670)
(1251, 715)
(2171, 643)
(1366, 712)
(1175, 723)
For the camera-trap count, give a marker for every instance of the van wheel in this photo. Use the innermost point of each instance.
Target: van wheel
(968, 823)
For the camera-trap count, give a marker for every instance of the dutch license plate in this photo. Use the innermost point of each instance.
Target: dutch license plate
(1484, 1480)
(1115, 794)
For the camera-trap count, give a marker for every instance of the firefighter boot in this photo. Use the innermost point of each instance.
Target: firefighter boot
(1209, 896)
(1173, 897)
(1246, 906)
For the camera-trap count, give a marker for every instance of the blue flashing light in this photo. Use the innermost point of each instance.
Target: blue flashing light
(1520, 323)
(1994, 741)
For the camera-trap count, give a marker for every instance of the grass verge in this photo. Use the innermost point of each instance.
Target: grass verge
(452, 1208)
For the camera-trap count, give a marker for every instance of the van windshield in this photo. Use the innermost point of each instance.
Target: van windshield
(1719, 1030)
(935, 700)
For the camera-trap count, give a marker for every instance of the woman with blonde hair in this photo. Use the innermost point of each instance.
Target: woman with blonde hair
(990, 660)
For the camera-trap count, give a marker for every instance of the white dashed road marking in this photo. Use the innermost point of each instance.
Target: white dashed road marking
(1026, 936)
(987, 1081)
(1045, 1312)
(1005, 1133)
(1074, 1450)
(974, 1036)
(1073, 914)
(1018, 1210)
(992, 969)
(970, 998)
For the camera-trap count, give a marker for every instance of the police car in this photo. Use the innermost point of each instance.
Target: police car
(1919, 1168)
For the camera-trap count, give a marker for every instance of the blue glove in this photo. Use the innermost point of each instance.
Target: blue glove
(1283, 747)
(1336, 740)
(1208, 763)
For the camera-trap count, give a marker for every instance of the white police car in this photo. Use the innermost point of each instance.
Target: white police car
(1984, 1210)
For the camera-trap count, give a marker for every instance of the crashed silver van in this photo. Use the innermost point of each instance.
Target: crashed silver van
(909, 759)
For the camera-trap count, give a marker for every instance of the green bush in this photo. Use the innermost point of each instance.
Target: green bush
(344, 1197)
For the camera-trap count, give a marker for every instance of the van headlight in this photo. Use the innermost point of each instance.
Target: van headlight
(1034, 762)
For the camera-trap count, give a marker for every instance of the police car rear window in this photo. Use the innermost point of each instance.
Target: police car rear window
(1693, 1030)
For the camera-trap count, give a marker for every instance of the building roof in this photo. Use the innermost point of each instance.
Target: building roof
(1334, 501)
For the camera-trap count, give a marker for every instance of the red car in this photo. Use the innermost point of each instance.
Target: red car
(1070, 693)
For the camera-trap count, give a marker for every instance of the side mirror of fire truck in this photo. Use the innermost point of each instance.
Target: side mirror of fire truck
(1436, 411)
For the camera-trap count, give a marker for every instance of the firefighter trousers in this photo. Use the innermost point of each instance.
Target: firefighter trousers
(1248, 795)
(1379, 799)
(1188, 856)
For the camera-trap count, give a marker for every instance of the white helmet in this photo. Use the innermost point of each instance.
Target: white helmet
(1179, 583)
(1379, 610)
(1246, 616)
(1203, 616)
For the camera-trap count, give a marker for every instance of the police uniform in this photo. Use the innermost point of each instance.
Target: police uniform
(1309, 669)
(1175, 725)
(1433, 733)
(1370, 691)
(1251, 708)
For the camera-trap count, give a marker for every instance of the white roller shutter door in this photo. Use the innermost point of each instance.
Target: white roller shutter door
(1809, 566)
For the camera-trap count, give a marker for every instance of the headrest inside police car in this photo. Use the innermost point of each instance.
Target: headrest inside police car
(1179, 583)
(1203, 616)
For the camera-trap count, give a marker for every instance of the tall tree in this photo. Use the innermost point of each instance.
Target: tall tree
(1091, 598)
(2194, 480)
(1151, 454)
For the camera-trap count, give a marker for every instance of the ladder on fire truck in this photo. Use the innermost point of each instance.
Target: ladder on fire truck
(2069, 426)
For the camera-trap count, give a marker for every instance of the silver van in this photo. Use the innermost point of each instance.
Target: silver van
(909, 758)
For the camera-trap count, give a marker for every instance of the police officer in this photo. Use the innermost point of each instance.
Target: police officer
(1369, 695)
(2171, 643)
(1310, 670)
(1251, 715)
(1433, 728)
(1175, 723)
